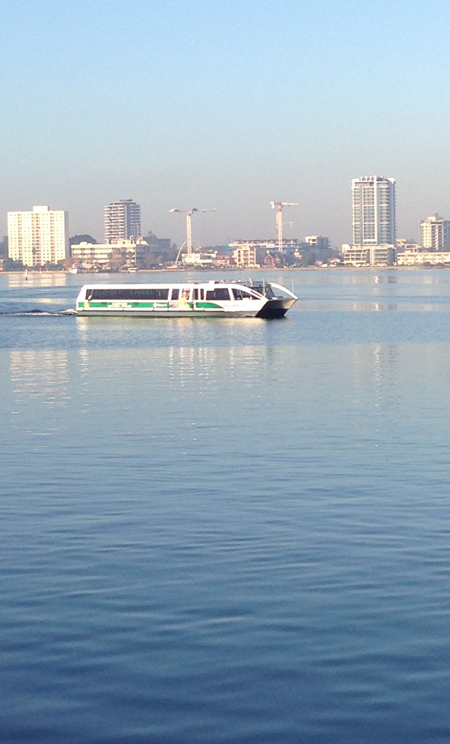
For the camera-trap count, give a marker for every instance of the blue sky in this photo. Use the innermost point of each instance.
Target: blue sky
(225, 105)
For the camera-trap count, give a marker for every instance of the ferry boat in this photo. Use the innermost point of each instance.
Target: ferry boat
(186, 299)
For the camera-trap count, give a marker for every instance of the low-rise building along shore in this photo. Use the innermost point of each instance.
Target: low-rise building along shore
(375, 255)
(420, 258)
(128, 252)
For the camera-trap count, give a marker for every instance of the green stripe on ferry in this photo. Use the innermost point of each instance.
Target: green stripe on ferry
(118, 305)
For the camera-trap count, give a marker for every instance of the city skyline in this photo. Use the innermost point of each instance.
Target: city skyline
(208, 117)
(121, 219)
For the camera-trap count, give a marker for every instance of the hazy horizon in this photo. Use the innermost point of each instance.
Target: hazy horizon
(230, 106)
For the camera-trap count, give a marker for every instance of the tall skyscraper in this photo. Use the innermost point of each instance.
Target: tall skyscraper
(38, 236)
(122, 221)
(373, 200)
(435, 233)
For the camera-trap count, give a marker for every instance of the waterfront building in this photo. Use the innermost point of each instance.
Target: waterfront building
(405, 244)
(415, 258)
(245, 256)
(101, 254)
(92, 254)
(376, 255)
(223, 260)
(373, 204)
(318, 245)
(38, 236)
(317, 242)
(122, 221)
(289, 245)
(435, 233)
(356, 255)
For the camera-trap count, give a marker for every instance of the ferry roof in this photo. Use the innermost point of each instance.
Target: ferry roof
(141, 285)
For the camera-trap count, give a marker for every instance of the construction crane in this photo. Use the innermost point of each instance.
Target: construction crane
(279, 207)
(188, 242)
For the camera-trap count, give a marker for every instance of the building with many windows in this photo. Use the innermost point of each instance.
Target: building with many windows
(435, 233)
(373, 204)
(39, 236)
(376, 255)
(104, 255)
(423, 258)
(122, 221)
(245, 256)
(97, 254)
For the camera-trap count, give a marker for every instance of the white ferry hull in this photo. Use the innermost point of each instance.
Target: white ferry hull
(175, 313)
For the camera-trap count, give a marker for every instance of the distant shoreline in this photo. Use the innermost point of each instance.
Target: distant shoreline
(234, 269)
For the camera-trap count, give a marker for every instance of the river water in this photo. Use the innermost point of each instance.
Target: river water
(232, 531)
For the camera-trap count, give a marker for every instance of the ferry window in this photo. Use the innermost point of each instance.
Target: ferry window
(219, 293)
(130, 294)
(264, 289)
(242, 294)
(163, 294)
(186, 293)
(196, 294)
(175, 294)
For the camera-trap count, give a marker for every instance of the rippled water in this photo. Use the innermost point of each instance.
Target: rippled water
(227, 530)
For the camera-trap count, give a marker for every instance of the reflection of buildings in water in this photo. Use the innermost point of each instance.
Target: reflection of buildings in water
(387, 278)
(377, 381)
(368, 277)
(177, 346)
(83, 356)
(207, 364)
(40, 374)
(376, 307)
(82, 327)
(37, 279)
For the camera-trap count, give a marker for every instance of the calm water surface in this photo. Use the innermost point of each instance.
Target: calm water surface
(232, 531)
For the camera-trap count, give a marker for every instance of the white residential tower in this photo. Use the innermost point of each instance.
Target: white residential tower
(39, 236)
(373, 201)
(122, 221)
(435, 233)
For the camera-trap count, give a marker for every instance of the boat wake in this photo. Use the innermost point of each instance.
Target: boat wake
(35, 313)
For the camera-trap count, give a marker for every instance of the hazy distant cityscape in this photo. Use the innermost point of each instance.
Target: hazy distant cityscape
(39, 239)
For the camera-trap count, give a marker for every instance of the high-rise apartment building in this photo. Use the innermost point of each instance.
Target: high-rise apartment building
(435, 233)
(122, 221)
(39, 236)
(373, 201)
